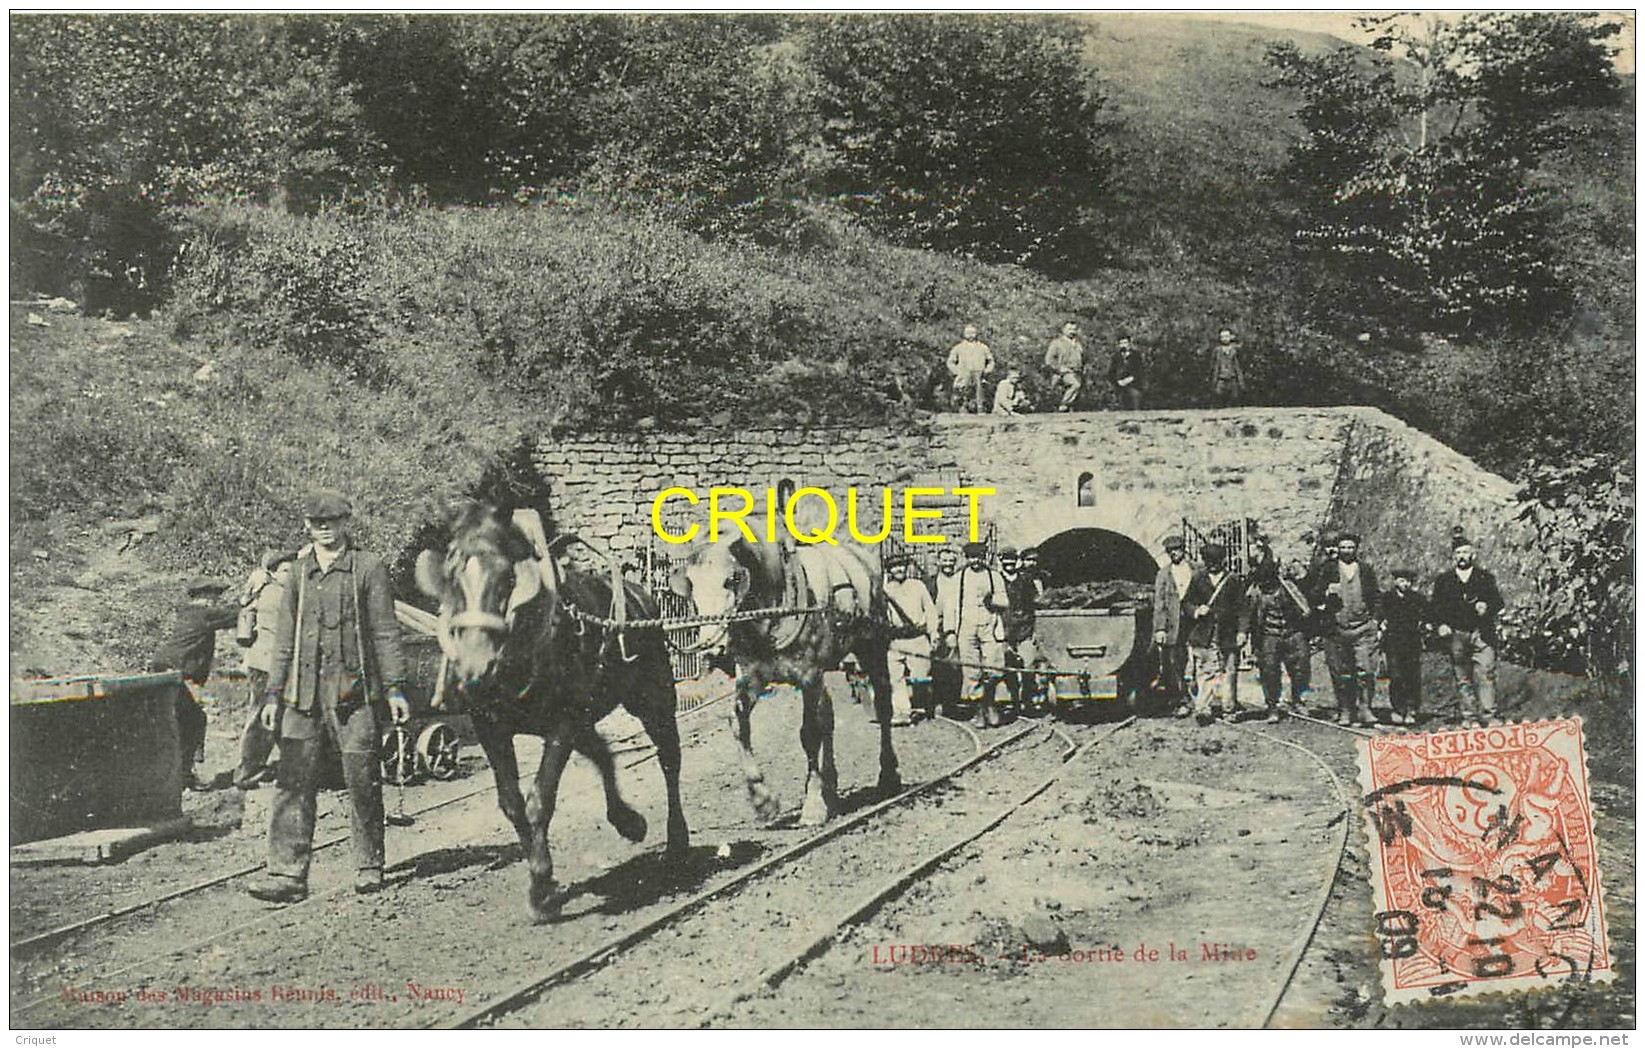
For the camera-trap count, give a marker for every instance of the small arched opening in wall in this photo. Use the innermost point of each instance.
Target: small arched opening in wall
(1096, 615)
(1086, 490)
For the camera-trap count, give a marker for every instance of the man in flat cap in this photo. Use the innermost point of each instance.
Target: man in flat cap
(981, 598)
(1464, 608)
(1404, 613)
(946, 678)
(189, 649)
(1022, 590)
(913, 618)
(1349, 603)
(336, 651)
(1214, 607)
(1170, 626)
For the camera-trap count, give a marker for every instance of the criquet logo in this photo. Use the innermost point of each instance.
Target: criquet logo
(732, 506)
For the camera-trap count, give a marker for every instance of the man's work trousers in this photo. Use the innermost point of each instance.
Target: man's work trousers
(1473, 660)
(1288, 652)
(1022, 683)
(909, 662)
(946, 679)
(1173, 671)
(1351, 654)
(1217, 672)
(191, 727)
(1071, 384)
(302, 746)
(983, 654)
(256, 742)
(968, 393)
(1404, 678)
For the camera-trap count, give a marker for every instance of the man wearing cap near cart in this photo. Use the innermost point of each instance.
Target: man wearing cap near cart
(1464, 608)
(1170, 628)
(1213, 605)
(189, 649)
(1022, 591)
(913, 624)
(981, 598)
(336, 649)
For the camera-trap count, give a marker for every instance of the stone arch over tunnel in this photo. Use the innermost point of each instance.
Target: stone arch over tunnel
(1082, 555)
(1141, 524)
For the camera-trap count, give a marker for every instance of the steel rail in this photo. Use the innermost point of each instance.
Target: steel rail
(275, 912)
(598, 956)
(1346, 817)
(871, 901)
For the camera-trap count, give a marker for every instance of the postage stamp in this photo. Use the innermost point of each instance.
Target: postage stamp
(1484, 867)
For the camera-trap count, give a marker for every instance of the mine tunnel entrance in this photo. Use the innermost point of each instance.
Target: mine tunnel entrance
(1096, 616)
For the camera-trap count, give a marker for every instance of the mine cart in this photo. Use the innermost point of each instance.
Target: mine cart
(1095, 647)
(430, 744)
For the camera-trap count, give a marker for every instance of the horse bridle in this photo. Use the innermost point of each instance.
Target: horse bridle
(529, 577)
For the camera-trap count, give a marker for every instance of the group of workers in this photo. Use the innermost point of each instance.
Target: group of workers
(972, 627)
(1205, 617)
(971, 366)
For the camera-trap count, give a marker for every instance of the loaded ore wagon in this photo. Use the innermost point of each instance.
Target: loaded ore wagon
(1094, 638)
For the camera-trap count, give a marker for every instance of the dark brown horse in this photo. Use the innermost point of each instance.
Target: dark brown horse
(525, 664)
(844, 583)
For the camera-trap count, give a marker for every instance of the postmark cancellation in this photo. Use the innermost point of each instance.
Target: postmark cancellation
(1484, 867)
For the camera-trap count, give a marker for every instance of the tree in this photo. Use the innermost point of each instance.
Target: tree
(699, 123)
(1583, 615)
(1416, 205)
(978, 135)
(116, 119)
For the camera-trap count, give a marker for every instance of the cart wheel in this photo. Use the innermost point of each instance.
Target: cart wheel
(437, 747)
(399, 759)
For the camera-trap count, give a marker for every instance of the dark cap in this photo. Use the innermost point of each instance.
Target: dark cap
(897, 561)
(1174, 542)
(1459, 538)
(975, 549)
(203, 585)
(1351, 537)
(326, 503)
(1404, 573)
(1008, 553)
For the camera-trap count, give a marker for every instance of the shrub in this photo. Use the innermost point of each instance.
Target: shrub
(976, 135)
(1583, 616)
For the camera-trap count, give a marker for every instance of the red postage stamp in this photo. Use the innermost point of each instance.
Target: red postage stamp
(1484, 867)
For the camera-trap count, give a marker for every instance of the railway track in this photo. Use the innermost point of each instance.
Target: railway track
(1332, 870)
(154, 908)
(780, 895)
(989, 978)
(451, 887)
(584, 983)
(28, 945)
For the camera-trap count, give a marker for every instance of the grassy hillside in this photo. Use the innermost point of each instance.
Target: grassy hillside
(1199, 133)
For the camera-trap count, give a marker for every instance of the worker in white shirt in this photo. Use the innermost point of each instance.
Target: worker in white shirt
(913, 618)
